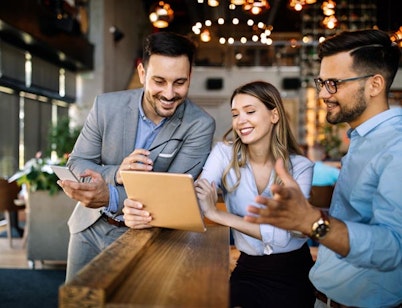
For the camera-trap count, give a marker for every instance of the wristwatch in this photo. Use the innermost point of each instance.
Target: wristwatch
(321, 227)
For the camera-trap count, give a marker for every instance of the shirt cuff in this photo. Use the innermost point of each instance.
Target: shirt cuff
(113, 199)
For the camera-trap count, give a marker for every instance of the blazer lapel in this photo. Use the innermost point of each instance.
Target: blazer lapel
(167, 131)
(130, 124)
(163, 137)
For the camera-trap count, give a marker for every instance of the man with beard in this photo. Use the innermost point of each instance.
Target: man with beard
(156, 128)
(359, 263)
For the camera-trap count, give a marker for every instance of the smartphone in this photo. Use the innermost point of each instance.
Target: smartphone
(64, 173)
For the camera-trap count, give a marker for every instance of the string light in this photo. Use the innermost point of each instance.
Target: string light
(258, 32)
(244, 30)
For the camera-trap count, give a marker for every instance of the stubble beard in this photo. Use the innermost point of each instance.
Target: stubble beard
(152, 101)
(349, 114)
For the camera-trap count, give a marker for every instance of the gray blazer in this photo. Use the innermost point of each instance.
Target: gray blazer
(108, 136)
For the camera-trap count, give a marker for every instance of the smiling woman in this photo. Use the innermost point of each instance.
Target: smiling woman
(242, 167)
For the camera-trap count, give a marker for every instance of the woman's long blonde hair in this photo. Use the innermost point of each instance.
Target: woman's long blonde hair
(282, 144)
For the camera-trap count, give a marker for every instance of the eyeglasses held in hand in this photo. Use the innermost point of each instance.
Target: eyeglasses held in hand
(332, 84)
(177, 140)
(163, 143)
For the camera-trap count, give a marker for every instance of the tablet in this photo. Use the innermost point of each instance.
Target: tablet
(169, 197)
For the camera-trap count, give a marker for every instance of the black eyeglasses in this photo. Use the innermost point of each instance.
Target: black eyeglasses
(332, 84)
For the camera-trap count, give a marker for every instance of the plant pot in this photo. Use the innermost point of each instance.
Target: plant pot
(48, 233)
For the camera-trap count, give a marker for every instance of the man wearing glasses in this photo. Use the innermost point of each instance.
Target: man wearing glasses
(359, 262)
(156, 128)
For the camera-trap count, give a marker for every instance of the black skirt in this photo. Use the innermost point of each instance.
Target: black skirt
(273, 281)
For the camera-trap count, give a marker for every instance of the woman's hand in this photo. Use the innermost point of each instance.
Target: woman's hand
(207, 197)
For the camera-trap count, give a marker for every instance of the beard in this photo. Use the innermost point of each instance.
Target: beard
(155, 103)
(349, 113)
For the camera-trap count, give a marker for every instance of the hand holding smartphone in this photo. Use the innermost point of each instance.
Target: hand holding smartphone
(65, 173)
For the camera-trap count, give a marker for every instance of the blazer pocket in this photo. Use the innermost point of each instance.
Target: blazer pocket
(168, 155)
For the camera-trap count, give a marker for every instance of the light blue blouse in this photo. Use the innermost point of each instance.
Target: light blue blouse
(274, 240)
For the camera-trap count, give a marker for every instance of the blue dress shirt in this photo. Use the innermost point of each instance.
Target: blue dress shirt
(146, 133)
(274, 240)
(368, 199)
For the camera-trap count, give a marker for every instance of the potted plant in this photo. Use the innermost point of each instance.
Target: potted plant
(37, 174)
(48, 207)
(62, 138)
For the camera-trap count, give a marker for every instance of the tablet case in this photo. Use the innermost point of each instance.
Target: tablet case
(169, 197)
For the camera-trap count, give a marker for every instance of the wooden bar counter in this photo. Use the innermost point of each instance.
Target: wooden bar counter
(155, 268)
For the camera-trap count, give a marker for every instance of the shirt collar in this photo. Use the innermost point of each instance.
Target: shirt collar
(145, 118)
(142, 114)
(364, 128)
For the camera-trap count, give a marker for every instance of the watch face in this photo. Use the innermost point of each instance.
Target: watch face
(322, 229)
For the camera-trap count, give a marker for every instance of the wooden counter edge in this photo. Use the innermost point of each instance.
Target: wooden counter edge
(94, 283)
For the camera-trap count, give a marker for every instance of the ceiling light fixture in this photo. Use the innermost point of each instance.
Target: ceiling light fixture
(328, 7)
(397, 37)
(237, 2)
(161, 14)
(213, 3)
(298, 5)
(205, 36)
(330, 22)
(256, 7)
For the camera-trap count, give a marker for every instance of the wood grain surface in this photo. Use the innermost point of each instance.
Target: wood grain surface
(156, 268)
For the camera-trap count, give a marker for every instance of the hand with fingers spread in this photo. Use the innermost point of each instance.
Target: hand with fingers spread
(135, 216)
(138, 160)
(288, 209)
